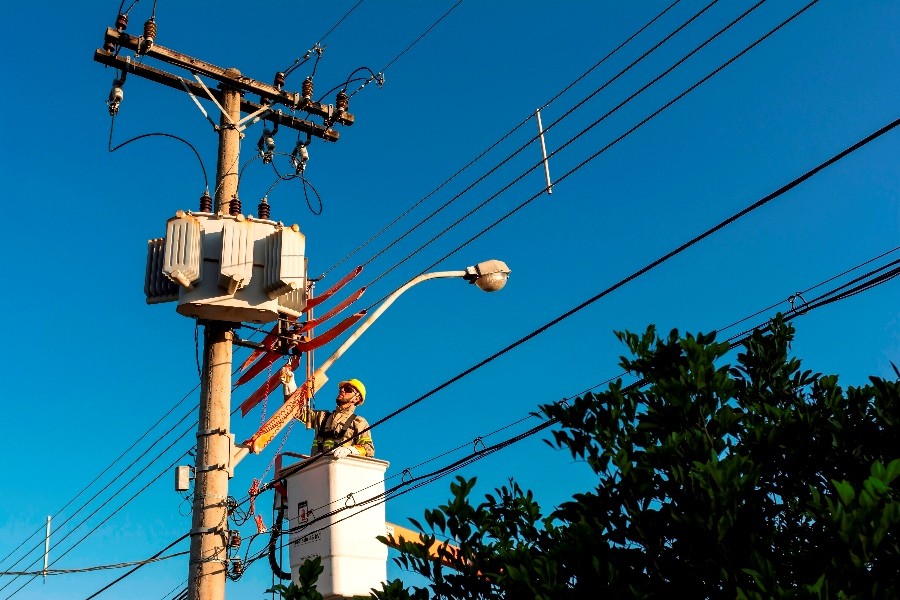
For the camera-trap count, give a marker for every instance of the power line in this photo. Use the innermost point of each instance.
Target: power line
(758, 204)
(112, 481)
(548, 128)
(498, 142)
(610, 144)
(121, 565)
(408, 48)
(862, 283)
(115, 581)
(585, 130)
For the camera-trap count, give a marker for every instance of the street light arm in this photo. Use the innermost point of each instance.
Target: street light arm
(489, 276)
(383, 307)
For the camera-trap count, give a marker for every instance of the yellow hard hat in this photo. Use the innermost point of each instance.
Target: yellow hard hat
(358, 386)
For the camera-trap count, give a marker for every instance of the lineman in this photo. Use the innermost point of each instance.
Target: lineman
(337, 431)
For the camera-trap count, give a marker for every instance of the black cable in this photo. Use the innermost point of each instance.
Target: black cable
(864, 282)
(594, 124)
(273, 542)
(168, 135)
(408, 48)
(501, 140)
(50, 572)
(114, 480)
(76, 544)
(419, 481)
(118, 579)
(570, 141)
(762, 202)
(615, 141)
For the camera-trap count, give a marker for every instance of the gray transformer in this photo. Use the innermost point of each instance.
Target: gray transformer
(228, 268)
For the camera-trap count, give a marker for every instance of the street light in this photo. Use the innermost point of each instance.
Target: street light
(490, 276)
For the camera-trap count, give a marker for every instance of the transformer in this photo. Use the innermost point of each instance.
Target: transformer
(231, 268)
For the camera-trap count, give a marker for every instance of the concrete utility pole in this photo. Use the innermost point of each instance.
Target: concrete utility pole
(209, 531)
(265, 298)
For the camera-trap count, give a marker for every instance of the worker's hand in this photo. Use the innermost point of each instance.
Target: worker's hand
(343, 451)
(287, 379)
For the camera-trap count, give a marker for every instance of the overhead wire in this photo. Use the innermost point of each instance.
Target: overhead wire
(135, 495)
(858, 285)
(141, 564)
(121, 565)
(99, 476)
(409, 47)
(107, 486)
(602, 118)
(649, 267)
(522, 147)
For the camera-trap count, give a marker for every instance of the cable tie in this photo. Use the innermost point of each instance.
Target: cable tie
(216, 431)
(215, 467)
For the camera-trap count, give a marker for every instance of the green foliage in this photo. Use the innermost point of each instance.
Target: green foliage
(752, 480)
(308, 574)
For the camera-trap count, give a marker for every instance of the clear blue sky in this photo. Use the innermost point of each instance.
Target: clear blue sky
(88, 367)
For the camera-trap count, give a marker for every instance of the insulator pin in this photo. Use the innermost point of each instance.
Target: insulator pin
(206, 203)
(234, 207)
(262, 210)
(115, 99)
(279, 80)
(307, 89)
(343, 101)
(149, 35)
(121, 22)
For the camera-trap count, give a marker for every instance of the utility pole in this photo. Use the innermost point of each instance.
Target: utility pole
(199, 264)
(209, 531)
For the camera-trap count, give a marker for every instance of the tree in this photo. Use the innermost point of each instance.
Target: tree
(758, 480)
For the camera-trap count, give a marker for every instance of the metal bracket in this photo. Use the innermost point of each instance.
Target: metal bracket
(206, 468)
(217, 431)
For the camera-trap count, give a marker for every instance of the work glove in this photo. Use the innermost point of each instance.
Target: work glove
(288, 381)
(343, 451)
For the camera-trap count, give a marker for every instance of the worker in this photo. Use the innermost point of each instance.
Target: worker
(340, 431)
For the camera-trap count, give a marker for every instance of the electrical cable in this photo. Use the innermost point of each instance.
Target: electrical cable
(590, 127)
(146, 135)
(117, 580)
(649, 267)
(135, 495)
(298, 62)
(408, 48)
(873, 277)
(530, 141)
(121, 565)
(100, 475)
(111, 482)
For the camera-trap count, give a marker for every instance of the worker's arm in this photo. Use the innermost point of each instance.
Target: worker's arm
(289, 384)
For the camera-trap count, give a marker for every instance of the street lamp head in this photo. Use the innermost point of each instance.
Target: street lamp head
(490, 275)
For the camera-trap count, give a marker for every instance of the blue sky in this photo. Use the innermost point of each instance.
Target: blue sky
(88, 367)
